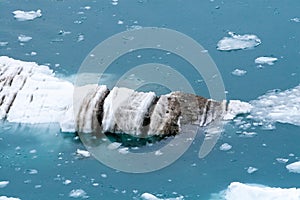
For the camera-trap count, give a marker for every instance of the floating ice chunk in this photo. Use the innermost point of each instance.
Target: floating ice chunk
(265, 60)
(282, 160)
(225, 147)
(67, 182)
(148, 196)
(3, 184)
(124, 150)
(296, 19)
(294, 167)
(275, 106)
(104, 175)
(238, 72)
(3, 44)
(8, 198)
(83, 153)
(236, 42)
(238, 191)
(114, 2)
(32, 171)
(80, 38)
(120, 22)
(78, 193)
(236, 107)
(251, 170)
(24, 16)
(114, 145)
(24, 38)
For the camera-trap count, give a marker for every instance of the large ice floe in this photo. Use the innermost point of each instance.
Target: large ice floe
(30, 93)
(236, 42)
(238, 191)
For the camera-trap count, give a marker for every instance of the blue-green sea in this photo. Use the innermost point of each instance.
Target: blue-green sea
(38, 159)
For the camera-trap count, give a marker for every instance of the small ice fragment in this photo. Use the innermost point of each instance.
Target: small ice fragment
(265, 60)
(29, 15)
(124, 150)
(120, 22)
(225, 147)
(103, 175)
(282, 160)
(294, 167)
(113, 145)
(24, 38)
(158, 153)
(80, 38)
(148, 196)
(296, 19)
(87, 7)
(3, 44)
(238, 72)
(114, 2)
(78, 193)
(83, 153)
(251, 170)
(67, 182)
(236, 107)
(3, 184)
(32, 151)
(8, 198)
(236, 42)
(32, 171)
(33, 53)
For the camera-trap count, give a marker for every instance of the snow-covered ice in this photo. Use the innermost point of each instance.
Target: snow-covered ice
(265, 60)
(83, 153)
(236, 42)
(251, 170)
(8, 198)
(149, 196)
(27, 15)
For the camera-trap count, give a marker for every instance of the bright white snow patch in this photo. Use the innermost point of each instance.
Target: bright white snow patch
(265, 60)
(83, 153)
(225, 147)
(238, 191)
(274, 106)
(3, 184)
(24, 16)
(236, 42)
(79, 193)
(238, 72)
(24, 38)
(294, 167)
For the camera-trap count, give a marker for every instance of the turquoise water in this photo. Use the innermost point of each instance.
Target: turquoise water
(205, 21)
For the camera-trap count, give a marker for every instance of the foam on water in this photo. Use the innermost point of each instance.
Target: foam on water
(237, 191)
(27, 15)
(236, 42)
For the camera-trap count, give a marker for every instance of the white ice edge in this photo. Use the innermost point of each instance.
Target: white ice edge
(236, 190)
(21, 15)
